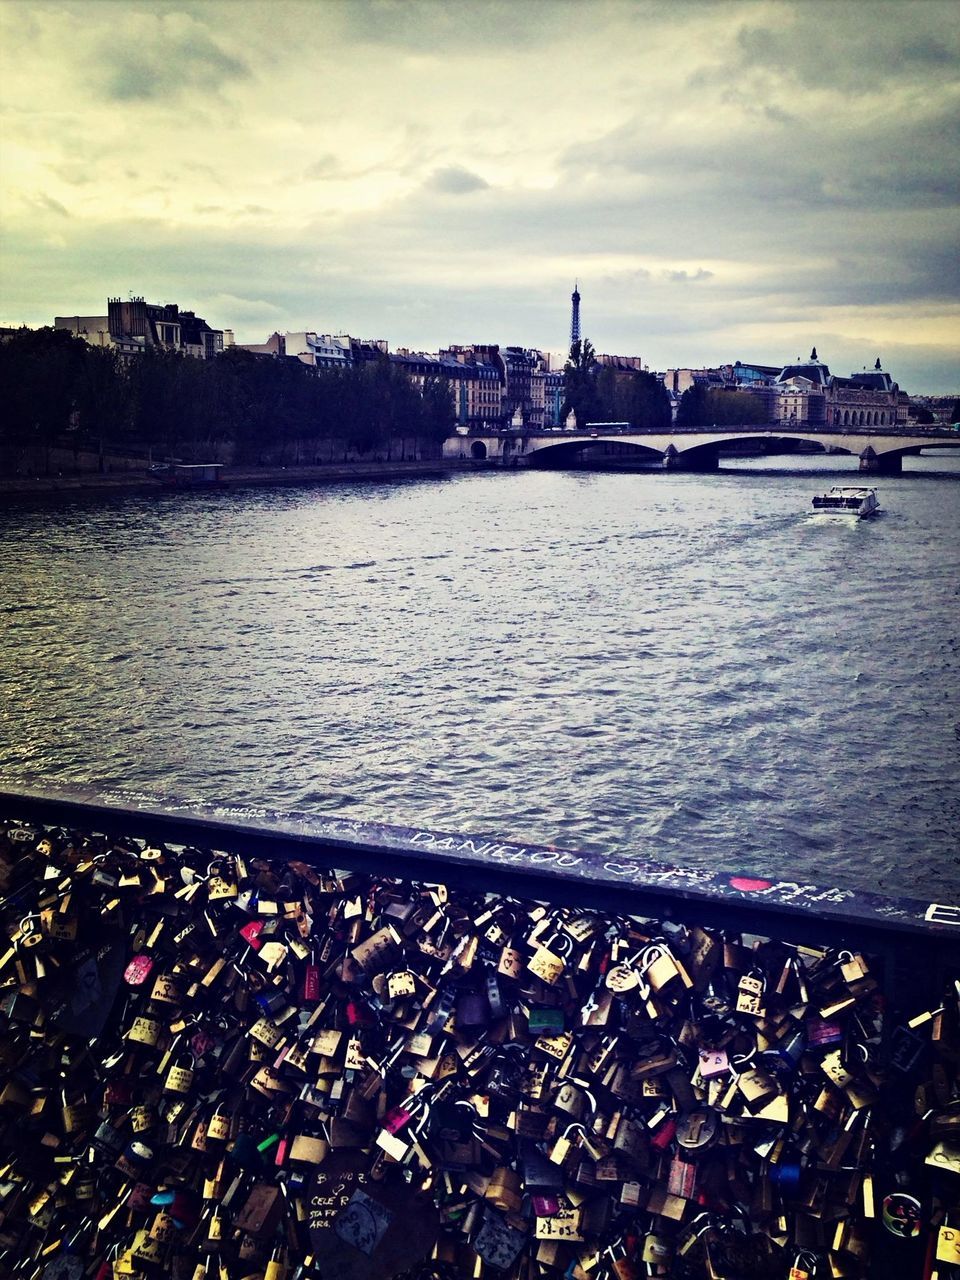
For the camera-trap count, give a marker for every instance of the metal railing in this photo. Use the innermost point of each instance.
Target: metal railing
(917, 938)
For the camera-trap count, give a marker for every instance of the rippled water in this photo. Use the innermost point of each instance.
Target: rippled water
(685, 666)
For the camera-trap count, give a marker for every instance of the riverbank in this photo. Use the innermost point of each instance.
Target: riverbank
(232, 477)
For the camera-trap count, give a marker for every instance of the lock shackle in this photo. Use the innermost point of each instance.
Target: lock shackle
(583, 1086)
(561, 943)
(711, 1221)
(570, 1127)
(476, 1128)
(843, 957)
(742, 1062)
(807, 1259)
(509, 915)
(502, 1052)
(419, 1101)
(651, 953)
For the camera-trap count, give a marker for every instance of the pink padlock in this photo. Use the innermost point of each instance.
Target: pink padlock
(138, 969)
(201, 1042)
(396, 1119)
(311, 983)
(713, 1063)
(251, 933)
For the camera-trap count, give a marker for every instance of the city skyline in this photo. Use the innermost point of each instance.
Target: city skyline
(734, 180)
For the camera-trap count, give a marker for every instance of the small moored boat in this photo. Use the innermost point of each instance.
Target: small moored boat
(850, 501)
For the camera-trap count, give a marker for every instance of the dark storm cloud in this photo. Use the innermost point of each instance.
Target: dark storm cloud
(894, 161)
(850, 47)
(455, 181)
(424, 26)
(164, 60)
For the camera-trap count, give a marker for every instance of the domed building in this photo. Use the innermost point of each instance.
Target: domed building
(808, 393)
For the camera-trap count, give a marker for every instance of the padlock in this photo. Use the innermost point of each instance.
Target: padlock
(630, 1139)
(179, 1078)
(750, 993)
(757, 1086)
(562, 1146)
(144, 1031)
(549, 959)
(853, 967)
(165, 990)
(698, 1130)
(621, 1264)
(134, 1159)
(713, 1063)
(682, 1178)
(571, 1098)
(472, 1010)
(803, 1265)
(220, 888)
(658, 968)
(504, 1190)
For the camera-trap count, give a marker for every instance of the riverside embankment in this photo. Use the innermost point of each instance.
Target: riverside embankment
(231, 477)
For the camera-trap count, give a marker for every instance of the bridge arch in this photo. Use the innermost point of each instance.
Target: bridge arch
(478, 450)
(559, 452)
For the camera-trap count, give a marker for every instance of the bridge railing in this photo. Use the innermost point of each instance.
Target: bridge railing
(278, 1024)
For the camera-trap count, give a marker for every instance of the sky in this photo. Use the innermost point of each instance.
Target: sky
(726, 181)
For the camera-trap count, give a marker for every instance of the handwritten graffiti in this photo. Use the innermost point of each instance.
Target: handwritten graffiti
(618, 868)
(497, 851)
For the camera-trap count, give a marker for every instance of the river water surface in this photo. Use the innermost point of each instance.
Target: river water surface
(687, 667)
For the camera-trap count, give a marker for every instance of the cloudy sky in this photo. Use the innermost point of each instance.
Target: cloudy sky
(726, 180)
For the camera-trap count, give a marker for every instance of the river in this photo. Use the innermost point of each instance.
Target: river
(687, 667)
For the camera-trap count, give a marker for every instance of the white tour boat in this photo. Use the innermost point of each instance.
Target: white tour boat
(852, 501)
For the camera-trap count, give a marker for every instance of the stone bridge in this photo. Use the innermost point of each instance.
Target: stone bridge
(879, 449)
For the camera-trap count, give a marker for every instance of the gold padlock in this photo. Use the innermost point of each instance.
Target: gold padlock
(144, 1031)
(656, 1249)
(853, 967)
(401, 984)
(219, 889)
(504, 1190)
(562, 1146)
(658, 966)
(142, 1118)
(546, 965)
(750, 990)
(179, 1077)
(219, 1125)
(165, 990)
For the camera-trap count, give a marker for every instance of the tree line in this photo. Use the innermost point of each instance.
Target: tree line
(599, 393)
(56, 389)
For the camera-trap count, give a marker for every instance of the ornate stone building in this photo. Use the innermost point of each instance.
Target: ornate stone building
(807, 392)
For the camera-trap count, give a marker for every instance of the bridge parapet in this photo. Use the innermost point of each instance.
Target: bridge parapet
(375, 1015)
(515, 446)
